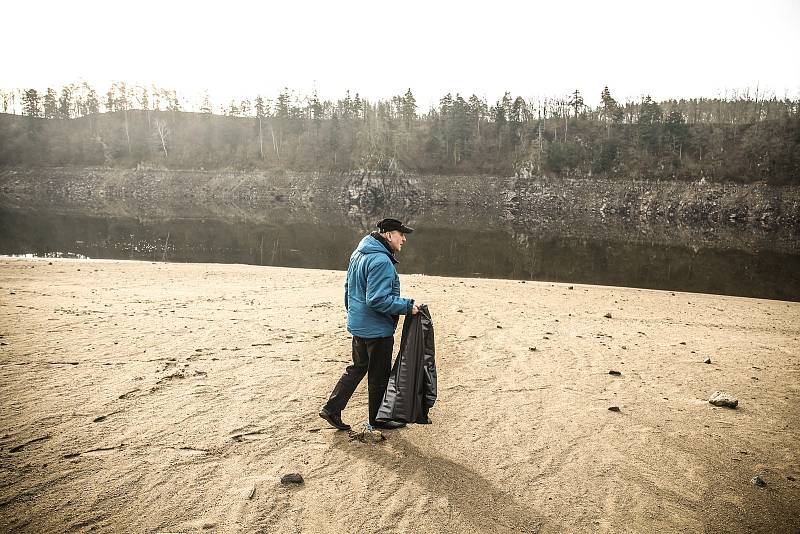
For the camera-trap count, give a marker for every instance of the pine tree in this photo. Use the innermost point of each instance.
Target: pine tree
(50, 104)
(478, 110)
(284, 101)
(576, 101)
(409, 108)
(260, 110)
(110, 100)
(92, 105)
(649, 123)
(65, 103)
(30, 103)
(610, 112)
(315, 109)
(515, 119)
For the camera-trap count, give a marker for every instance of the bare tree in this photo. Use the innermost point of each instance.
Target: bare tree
(163, 132)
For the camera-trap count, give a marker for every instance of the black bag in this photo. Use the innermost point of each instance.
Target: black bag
(412, 384)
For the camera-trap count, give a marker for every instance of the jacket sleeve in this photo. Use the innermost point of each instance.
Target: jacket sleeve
(345, 295)
(380, 275)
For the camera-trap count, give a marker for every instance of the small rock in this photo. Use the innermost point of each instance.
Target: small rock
(571, 287)
(707, 360)
(498, 326)
(459, 311)
(532, 349)
(758, 481)
(683, 343)
(723, 399)
(615, 373)
(791, 478)
(608, 315)
(613, 408)
(292, 478)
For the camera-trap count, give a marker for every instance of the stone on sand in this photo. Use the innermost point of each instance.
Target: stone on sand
(723, 399)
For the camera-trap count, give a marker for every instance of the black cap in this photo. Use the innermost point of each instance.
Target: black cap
(387, 225)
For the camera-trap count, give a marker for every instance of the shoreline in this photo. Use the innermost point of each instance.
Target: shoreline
(154, 396)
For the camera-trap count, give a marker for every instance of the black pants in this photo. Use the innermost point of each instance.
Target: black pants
(373, 356)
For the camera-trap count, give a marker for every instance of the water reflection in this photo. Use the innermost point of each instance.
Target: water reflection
(442, 245)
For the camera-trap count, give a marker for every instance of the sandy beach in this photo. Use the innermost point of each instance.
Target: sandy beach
(158, 397)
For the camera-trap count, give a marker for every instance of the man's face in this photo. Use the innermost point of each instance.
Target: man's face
(396, 238)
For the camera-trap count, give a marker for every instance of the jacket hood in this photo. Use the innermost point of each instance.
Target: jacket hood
(372, 245)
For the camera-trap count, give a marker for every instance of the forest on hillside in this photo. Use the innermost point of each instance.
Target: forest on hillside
(743, 138)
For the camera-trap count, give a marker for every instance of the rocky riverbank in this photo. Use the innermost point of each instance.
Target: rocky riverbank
(739, 216)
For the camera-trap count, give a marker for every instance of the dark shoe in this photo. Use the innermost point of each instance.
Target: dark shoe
(334, 419)
(388, 425)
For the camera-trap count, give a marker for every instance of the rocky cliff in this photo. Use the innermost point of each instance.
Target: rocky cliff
(522, 202)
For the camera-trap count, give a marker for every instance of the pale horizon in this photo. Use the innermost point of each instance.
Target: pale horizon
(676, 50)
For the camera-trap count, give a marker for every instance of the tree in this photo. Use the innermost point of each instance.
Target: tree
(315, 109)
(649, 123)
(460, 129)
(92, 105)
(50, 104)
(358, 106)
(6, 97)
(610, 111)
(409, 108)
(283, 104)
(110, 100)
(333, 138)
(120, 96)
(142, 98)
(500, 115)
(173, 104)
(245, 107)
(30, 103)
(576, 101)
(675, 126)
(515, 118)
(65, 103)
(205, 105)
(260, 116)
(445, 103)
(478, 111)
(162, 131)
(282, 113)
(261, 110)
(610, 107)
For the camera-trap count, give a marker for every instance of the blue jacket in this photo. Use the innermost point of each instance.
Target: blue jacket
(372, 291)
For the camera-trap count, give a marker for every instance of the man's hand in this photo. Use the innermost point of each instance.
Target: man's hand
(414, 309)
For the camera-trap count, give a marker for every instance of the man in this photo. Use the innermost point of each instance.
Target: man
(373, 303)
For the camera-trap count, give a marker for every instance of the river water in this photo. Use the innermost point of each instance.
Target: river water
(463, 244)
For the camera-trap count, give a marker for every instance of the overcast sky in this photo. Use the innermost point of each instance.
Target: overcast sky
(238, 49)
